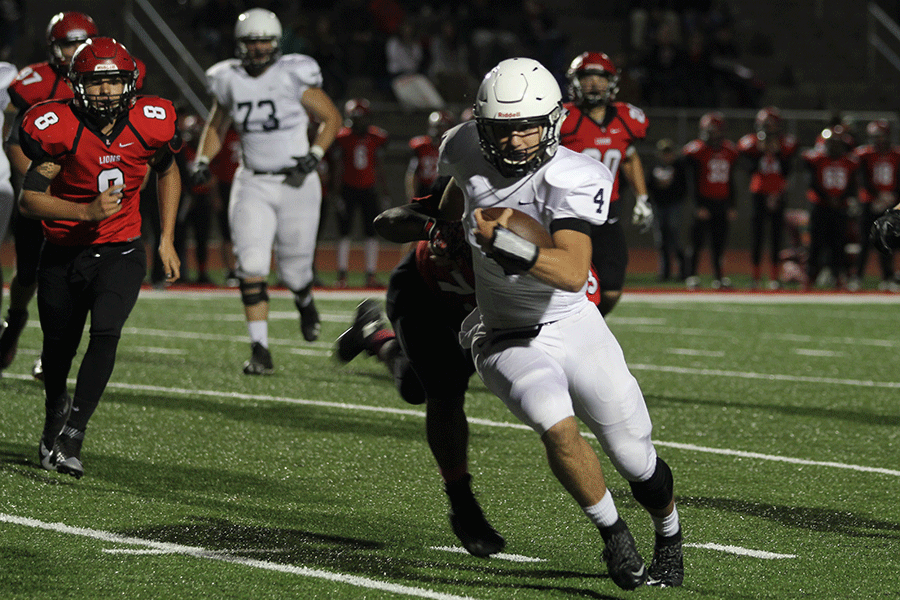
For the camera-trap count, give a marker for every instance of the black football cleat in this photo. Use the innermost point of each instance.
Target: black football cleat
(623, 561)
(260, 362)
(368, 321)
(310, 325)
(667, 566)
(67, 453)
(468, 521)
(54, 423)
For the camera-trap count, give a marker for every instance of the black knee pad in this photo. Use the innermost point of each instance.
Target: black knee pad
(656, 492)
(254, 293)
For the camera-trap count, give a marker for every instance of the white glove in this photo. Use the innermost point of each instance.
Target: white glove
(643, 214)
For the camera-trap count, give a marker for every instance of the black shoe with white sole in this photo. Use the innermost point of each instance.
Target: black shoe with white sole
(624, 562)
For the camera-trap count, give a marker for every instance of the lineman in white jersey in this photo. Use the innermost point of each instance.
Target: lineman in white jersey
(276, 195)
(537, 342)
(8, 73)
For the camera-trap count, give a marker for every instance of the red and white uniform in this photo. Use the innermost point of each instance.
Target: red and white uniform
(424, 163)
(359, 155)
(40, 81)
(713, 168)
(92, 162)
(608, 142)
(833, 178)
(880, 173)
(228, 159)
(770, 170)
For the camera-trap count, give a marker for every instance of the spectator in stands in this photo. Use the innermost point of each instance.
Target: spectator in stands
(489, 42)
(664, 65)
(12, 15)
(542, 38)
(449, 66)
(214, 22)
(325, 47)
(645, 17)
(405, 64)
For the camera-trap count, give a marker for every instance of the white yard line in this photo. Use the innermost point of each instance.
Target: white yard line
(741, 551)
(200, 552)
(500, 555)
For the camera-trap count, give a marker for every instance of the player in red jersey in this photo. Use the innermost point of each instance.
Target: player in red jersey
(223, 168)
(606, 130)
(90, 156)
(422, 172)
(879, 190)
(358, 179)
(770, 154)
(832, 184)
(35, 83)
(711, 158)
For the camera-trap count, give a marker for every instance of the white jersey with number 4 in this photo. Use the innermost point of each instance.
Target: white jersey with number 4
(568, 186)
(266, 109)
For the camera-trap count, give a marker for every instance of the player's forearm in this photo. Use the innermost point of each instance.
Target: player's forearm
(169, 186)
(634, 172)
(41, 205)
(563, 268)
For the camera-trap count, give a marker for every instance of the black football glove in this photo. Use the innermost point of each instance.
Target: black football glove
(885, 232)
(199, 173)
(305, 164)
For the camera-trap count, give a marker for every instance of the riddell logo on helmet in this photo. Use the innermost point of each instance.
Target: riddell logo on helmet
(509, 115)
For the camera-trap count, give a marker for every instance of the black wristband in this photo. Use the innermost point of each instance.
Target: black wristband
(35, 182)
(513, 252)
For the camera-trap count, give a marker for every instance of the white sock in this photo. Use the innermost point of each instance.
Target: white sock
(604, 513)
(371, 255)
(667, 526)
(343, 254)
(259, 332)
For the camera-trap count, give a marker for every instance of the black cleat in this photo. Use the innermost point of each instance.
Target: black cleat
(369, 320)
(624, 562)
(667, 566)
(468, 522)
(67, 452)
(9, 339)
(260, 362)
(310, 326)
(54, 422)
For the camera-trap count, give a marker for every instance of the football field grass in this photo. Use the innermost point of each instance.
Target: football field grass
(778, 413)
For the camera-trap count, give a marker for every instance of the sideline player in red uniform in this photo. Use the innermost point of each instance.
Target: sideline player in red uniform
(90, 156)
(422, 172)
(358, 180)
(831, 186)
(879, 190)
(712, 159)
(606, 131)
(47, 80)
(770, 153)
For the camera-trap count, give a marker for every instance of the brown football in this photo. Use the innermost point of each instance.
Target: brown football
(523, 225)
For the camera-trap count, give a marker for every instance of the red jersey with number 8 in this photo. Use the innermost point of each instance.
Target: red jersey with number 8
(92, 162)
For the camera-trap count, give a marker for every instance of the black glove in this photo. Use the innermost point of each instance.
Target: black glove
(307, 164)
(885, 232)
(200, 173)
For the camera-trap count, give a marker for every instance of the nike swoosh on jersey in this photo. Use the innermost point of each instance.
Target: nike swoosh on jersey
(129, 251)
(121, 145)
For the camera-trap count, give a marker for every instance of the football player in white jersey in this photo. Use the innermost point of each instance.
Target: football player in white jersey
(537, 342)
(8, 72)
(276, 194)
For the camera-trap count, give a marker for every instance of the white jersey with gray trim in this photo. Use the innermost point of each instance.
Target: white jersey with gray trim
(8, 73)
(569, 185)
(266, 109)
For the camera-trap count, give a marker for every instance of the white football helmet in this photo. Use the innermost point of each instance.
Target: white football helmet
(519, 93)
(254, 25)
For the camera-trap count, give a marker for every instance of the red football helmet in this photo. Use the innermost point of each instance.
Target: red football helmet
(103, 58)
(67, 28)
(592, 63)
(838, 140)
(439, 122)
(879, 132)
(712, 127)
(357, 113)
(768, 120)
